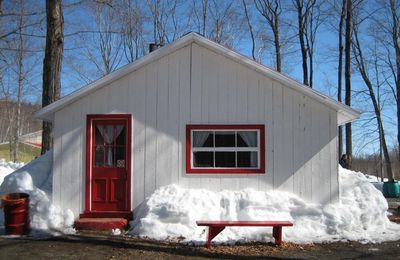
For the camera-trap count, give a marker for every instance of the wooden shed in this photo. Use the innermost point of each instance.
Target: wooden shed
(196, 114)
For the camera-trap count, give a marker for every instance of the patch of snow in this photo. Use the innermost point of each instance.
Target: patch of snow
(35, 178)
(8, 167)
(359, 215)
(115, 232)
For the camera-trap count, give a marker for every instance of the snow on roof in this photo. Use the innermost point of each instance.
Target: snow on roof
(345, 113)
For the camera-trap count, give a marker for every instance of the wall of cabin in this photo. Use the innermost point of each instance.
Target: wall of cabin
(194, 85)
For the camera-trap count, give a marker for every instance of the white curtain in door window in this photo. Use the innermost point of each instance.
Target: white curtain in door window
(108, 136)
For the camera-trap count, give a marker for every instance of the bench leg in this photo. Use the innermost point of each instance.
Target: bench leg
(277, 233)
(213, 232)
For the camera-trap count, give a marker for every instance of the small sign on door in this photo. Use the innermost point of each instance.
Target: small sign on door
(120, 163)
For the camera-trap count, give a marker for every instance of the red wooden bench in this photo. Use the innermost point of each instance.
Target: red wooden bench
(215, 227)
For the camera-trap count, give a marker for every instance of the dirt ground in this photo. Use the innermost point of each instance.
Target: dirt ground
(101, 245)
(89, 245)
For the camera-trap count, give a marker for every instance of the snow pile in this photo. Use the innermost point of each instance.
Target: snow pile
(360, 215)
(35, 179)
(7, 168)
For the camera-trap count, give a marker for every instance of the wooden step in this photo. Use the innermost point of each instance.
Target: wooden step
(101, 223)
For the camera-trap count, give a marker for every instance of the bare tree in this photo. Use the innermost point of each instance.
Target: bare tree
(52, 63)
(340, 71)
(271, 11)
(225, 22)
(253, 41)
(394, 9)
(202, 16)
(362, 67)
(303, 11)
(314, 20)
(132, 21)
(347, 75)
(107, 40)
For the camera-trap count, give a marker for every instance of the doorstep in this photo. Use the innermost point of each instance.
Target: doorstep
(101, 223)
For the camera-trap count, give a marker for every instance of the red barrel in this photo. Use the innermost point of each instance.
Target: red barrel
(16, 213)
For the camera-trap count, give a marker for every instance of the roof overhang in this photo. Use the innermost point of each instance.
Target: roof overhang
(346, 114)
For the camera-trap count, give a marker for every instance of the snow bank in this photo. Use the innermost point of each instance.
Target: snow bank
(360, 215)
(35, 179)
(7, 168)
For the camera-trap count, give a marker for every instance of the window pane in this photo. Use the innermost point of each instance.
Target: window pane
(99, 135)
(247, 139)
(120, 130)
(120, 156)
(203, 159)
(225, 159)
(99, 156)
(203, 139)
(247, 159)
(225, 139)
(109, 161)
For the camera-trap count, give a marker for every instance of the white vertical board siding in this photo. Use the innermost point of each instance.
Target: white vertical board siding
(57, 160)
(334, 182)
(163, 151)
(137, 98)
(187, 99)
(196, 86)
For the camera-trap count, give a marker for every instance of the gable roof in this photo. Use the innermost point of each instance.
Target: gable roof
(345, 113)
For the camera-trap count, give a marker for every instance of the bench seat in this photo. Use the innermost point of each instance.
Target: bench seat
(215, 227)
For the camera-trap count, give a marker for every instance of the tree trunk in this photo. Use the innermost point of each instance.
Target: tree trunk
(340, 67)
(360, 62)
(349, 147)
(277, 46)
(395, 39)
(253, 44)
(52, 64)
(300, 20)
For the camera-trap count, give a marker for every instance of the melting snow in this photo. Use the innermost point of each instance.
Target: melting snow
(171, 211)
(359, 215)
(35, 179)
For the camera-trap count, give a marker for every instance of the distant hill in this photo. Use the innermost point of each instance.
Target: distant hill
(28, 123)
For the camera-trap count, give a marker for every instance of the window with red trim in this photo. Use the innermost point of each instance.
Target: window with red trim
(225, 149)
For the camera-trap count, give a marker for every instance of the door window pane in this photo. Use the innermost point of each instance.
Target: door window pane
(120, 156)
(99, 155)
(99, 135)
(224, 139)
(225, 159)
(120, 130)
(109, 160)
(247, 159)
(203, 159)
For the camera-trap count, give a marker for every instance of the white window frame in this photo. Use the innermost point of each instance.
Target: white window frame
(226, 149)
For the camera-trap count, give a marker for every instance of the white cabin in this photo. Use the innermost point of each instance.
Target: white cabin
(196, 114)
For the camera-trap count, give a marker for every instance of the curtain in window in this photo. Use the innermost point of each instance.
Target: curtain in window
(253, 159)
(250, 138)
(199, 138)
(108, 136)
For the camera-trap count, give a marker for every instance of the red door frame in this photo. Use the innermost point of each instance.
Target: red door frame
(88, 211)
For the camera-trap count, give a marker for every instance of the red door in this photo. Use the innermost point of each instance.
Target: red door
(110, 163)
